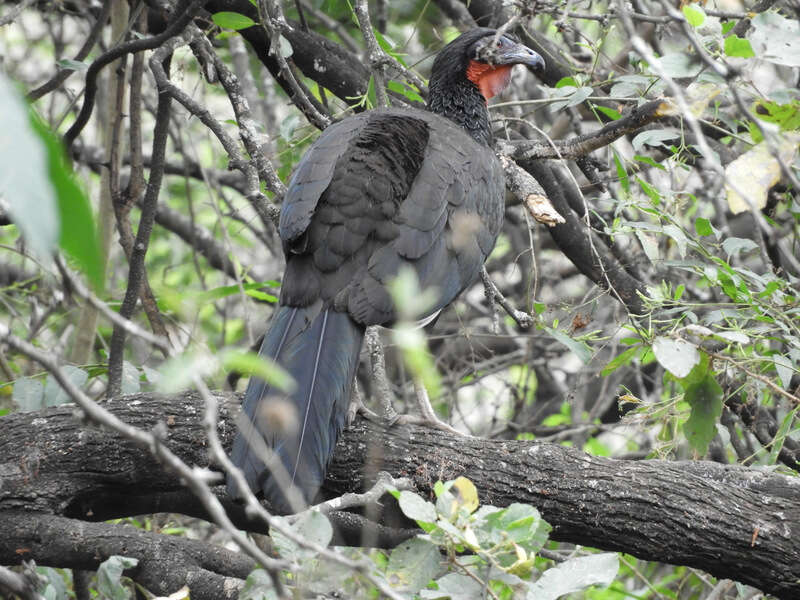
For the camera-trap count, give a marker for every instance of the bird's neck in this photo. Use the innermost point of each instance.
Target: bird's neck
(461, 101)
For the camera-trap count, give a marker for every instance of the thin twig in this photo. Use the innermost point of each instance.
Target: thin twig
(522, 319)
(137, 45)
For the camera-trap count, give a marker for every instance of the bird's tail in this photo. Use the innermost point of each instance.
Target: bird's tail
(319, 349)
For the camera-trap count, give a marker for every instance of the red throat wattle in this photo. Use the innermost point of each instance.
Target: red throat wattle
(491, 80)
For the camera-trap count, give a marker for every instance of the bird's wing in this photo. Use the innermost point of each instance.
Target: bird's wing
(446, 225)
(313, 175)
(384, 190)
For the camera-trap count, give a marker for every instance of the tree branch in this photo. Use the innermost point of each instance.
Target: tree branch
(731, 521)
(166, 562)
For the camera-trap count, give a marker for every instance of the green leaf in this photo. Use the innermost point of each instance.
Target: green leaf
(109, 577)
(314, 527)
(568, 81)
(733, 245)
(72, 65)
(621, 172)
(405, 90)
(780, 436)
(694, 14)
(311, 525)
(416, 508)
(785, 369)
(786, 116)
(54, 394)
(232, 20)
(776, 38)
(288, 125)
(736, 46)
(455, 586)
(649, 161)
(677, 235)
(703, 227)
(609, 112)
(250, 363)
(78, 236)
(28, 394)
(727, 26)
(648, 189)
(574, 575)
(676, 355)
(622, 359)
(680, 64)
(285, 47)
(258, 586)
(522, 524)
(413, 564)
(705, 398)
(653, 137)
(177, 373)
(23, 161)
(649, 245)
(579, 348)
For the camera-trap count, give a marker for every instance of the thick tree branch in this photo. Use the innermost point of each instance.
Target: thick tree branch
(730, 521)
(166, 562)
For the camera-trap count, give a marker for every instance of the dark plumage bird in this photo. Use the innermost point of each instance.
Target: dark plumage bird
(376, 192)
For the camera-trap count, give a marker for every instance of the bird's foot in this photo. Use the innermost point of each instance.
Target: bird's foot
(434, 423)
(427, 415)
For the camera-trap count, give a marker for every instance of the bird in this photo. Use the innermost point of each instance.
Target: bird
(377, 192)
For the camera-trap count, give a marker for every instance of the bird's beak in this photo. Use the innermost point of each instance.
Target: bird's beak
(520, 55)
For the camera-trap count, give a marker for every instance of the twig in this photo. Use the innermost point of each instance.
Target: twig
(273, 22)
(525, 188)
(383, 483)
(584, 144)
(133, 46)
(15, 11)
(267, 212)
(770, 384)
(24, 585)
(136, 261)
(247, 128)
(522, 319)
(63, 74)
(377, 58)
(333, 25)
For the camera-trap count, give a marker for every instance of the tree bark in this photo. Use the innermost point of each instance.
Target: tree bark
(730, 521)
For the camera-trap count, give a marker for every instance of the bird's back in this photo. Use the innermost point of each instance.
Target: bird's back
(382, 190)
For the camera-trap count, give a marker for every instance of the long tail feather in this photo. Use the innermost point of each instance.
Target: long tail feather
(320, 351)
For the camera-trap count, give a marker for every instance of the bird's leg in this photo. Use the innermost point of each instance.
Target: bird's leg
(387, 412)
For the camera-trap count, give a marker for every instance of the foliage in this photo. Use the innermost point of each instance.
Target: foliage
(465, 550)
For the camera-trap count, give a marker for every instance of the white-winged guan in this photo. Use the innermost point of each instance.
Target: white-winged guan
(378, 191)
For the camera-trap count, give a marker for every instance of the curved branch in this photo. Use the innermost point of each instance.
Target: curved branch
(582, 145)
(62, 75)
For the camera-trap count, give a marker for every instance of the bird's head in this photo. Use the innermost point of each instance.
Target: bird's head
(484, 58)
